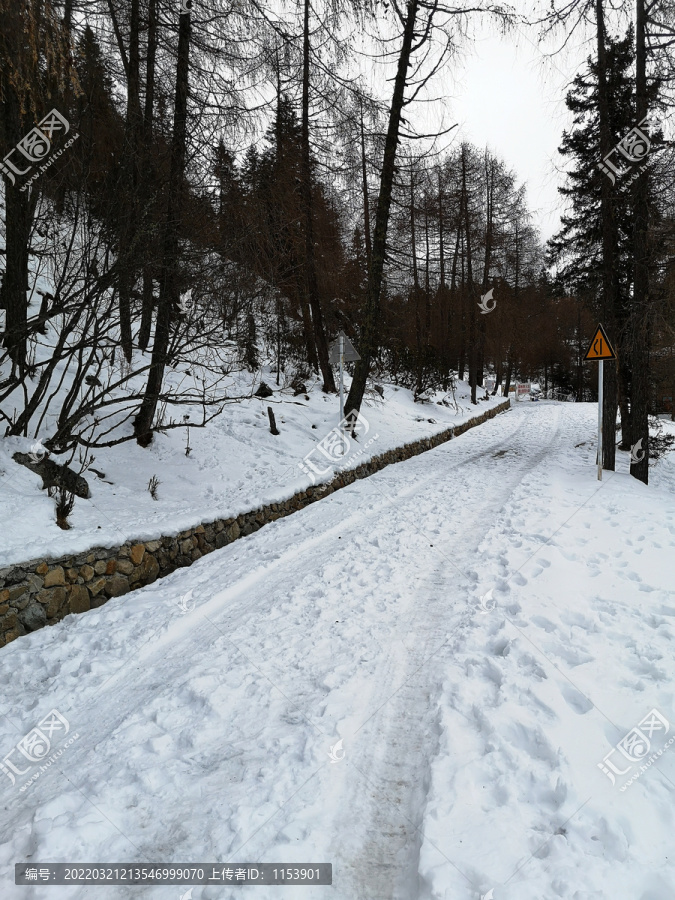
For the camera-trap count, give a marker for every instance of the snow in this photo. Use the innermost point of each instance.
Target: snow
(235, 465)
(472, 730)
(576, 652)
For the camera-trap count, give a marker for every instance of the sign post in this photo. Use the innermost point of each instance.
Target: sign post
(600, 401)
(342, 380)
(599, 350)
(342, 350)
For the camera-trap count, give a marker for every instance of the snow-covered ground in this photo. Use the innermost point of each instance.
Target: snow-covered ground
(479, 625)
(235, 465)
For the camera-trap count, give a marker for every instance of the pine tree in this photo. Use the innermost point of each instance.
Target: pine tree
(230, 202)
(576, 249)
(34, 70)
(590, 262)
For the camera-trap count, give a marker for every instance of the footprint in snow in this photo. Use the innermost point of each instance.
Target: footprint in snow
(532, 667)
(578, 619)
(533, 741)
(546, 624)
(667, 611)
(492, 673)
(576, 700)
(571, 656)
(501, 647)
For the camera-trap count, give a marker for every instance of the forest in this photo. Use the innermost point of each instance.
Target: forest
(195, 187)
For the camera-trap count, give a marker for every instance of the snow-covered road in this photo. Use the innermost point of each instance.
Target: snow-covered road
(479, 626)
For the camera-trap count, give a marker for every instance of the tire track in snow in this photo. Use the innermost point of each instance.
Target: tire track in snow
(285, 551)
(116, 698)
(397, 744)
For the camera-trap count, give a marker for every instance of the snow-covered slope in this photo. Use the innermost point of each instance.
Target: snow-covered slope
(235, 464)
(472, 729)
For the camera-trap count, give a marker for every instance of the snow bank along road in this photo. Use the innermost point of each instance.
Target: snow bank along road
(480, 626)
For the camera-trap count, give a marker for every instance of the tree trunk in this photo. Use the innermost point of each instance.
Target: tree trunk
(366, 201)
(149, 174)
(609, 241)
(19, 209)
(168, 290)
(130, 173)
(280, 314)
(509, 369)
(452, 305)
(371, 314)
(307, 330)
(441, 235)
(622, 391)
(473, 331)
(68, 14)
(311, 281)
(298, 289)
(443, 296)
(427, 284)
(580, 359)
(413, 231)
(461, 362)
(489, 237)
(416, 286)
(453, 279)
(640, 314)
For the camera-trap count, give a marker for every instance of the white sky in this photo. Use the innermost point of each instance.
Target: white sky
(510, 97)
(507, 92)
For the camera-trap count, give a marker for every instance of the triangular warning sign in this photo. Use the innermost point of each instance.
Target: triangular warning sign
(348, 350)
(600, 347)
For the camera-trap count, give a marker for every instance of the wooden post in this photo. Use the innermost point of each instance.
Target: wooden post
(273, 424)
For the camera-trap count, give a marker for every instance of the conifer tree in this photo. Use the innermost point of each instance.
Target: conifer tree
(592, 250)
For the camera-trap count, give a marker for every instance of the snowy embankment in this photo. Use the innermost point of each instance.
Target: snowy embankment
(234, 465)
(568, 681)
(472, 723)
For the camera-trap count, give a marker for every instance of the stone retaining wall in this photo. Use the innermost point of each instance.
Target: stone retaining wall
(43, 591)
